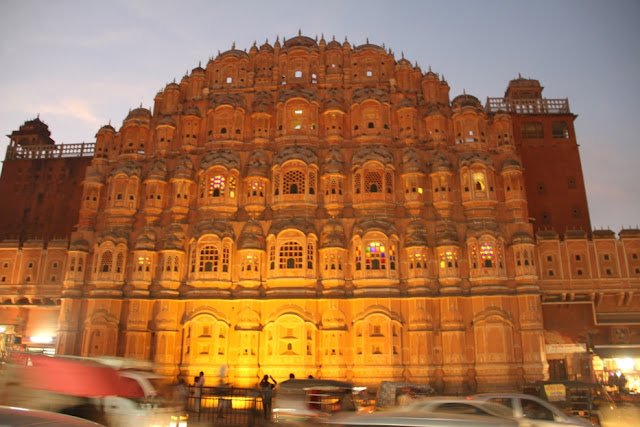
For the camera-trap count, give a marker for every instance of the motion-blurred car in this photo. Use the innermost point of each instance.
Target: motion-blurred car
(531, 408)
(20, 417)
(435, 412)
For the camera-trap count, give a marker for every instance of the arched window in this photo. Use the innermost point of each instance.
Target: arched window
(290, 255)
(106, 261)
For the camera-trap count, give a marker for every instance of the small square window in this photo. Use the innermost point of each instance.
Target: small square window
(229, 79)
(369, 73)
(606, 257)
(549, 258)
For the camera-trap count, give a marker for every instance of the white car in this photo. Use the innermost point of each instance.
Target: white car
(21, 417)
(435, 412)
(526, 408)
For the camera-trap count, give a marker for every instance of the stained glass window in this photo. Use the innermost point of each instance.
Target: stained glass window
(358, 257)
(448, 259)
(216, 186)
(487, 254)
(375, 256)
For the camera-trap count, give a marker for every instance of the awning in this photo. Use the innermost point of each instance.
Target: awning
(619, 351)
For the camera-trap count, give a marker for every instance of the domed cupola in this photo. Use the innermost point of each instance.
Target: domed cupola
(146, 240)
(466, 101)
(158, 171)
(183, 168)
(332, 235)
(266, 47)
(333, 162)
(251, 236)
(227, 158)
(411, 162)
(300, 42)
(138, 116)
(440, 163)
(258, 164)
(415, 234)
(192, 111)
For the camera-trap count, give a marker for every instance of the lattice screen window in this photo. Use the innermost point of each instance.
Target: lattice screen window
(373, 182)
(389, 182)
(290, 255)
(80, 264)
(358, 253)
(272, 257)
(312, 182)
(357, 182)
(72, 264)
(310, 255)
(276, 184)
(225, 259)
(119, 263)
(106, 261)
(208, 258)
(293, 182)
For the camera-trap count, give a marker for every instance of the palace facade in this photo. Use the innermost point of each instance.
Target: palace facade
(322, 209)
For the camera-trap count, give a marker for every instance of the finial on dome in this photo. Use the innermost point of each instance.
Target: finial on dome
(430, 68)
(464, 91)
(299, 32)
(334, 38)
(519, 76)
(367, 40)
(233, 46)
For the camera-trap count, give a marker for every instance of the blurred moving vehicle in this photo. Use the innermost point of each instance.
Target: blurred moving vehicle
(313, 400)
(110, 391)
(454, 411)
(21, 417)
(532, 410)
(576, 398)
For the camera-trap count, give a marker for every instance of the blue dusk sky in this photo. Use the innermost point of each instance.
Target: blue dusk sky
(82, 64)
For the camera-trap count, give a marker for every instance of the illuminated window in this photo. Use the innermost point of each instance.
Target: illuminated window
(256, 188)
(290, 255)
(417, 260)
(208, 259)
(358, 257)
(487, 255)
(250, 263)
(373, 182)
(106, 261)
(293, 182)
(448, 259)
(375, 256)
(143, 263)
(478, 181)
(216, 186)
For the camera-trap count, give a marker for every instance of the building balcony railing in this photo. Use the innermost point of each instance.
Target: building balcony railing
(17, 152)
(528, 106)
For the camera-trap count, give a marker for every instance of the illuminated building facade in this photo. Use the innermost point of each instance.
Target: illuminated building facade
(322, 209)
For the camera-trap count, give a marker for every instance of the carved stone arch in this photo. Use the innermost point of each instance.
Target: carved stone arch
(493, 314)
(378, 310)
(420, 320)
(248, 320)
(333, 319)
(291, 310)
(205, 311)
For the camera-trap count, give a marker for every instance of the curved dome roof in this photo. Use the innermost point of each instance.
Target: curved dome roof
(466, 100)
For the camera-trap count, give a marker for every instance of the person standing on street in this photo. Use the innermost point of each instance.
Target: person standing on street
(266, 387)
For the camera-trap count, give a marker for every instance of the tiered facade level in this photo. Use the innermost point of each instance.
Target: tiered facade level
(320, 209)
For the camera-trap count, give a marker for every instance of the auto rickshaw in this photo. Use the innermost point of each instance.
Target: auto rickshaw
(313, 400)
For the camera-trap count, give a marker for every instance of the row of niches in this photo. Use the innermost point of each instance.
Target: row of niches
(370, 123)
(299, 184)
(296, 259)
